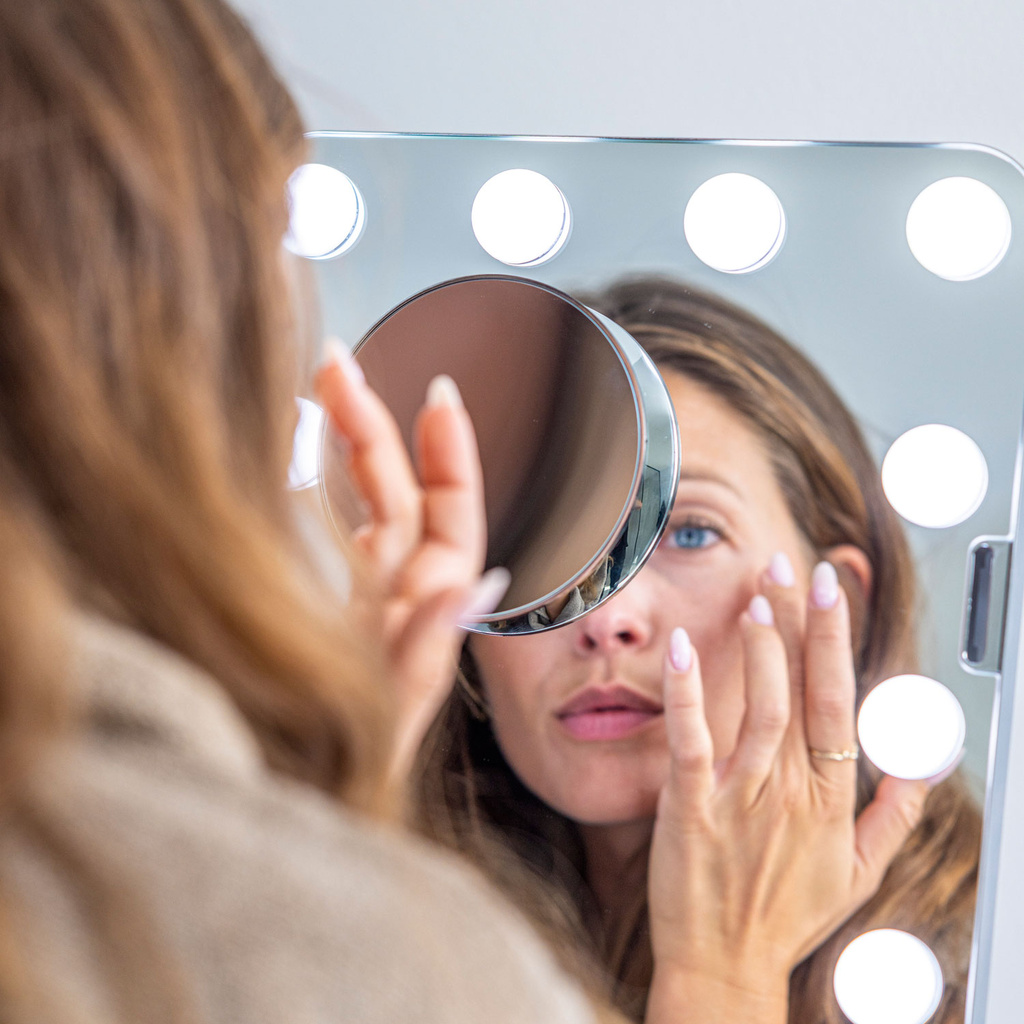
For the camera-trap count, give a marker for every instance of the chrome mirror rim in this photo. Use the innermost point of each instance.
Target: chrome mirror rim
(637, 529)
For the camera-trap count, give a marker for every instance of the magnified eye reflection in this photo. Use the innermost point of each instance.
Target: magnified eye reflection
(562, 752)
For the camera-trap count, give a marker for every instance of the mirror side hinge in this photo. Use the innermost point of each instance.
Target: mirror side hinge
(984, 618)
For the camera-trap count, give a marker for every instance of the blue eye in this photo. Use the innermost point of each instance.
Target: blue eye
(692, 537)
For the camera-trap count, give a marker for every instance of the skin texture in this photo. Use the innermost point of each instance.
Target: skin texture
(729, 520)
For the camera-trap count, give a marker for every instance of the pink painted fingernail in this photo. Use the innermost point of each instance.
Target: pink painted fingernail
(442, 390)
(336, 352)
(824, 586)
(761, 611)
(781, 570)
(680, 652)
(487, 592)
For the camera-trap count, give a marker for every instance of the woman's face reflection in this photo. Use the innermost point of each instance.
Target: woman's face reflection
(576, 710)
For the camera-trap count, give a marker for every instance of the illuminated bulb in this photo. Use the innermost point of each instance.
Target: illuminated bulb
(911, 727)
(327, 212)
(734, 223)
(958, 228)
(888, 977)
(935, 476)
(521, 218)
(304, 470)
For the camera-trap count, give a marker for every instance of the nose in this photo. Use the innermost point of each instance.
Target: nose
(618, 625)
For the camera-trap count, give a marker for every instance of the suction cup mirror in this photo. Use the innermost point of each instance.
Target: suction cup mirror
(578, 437)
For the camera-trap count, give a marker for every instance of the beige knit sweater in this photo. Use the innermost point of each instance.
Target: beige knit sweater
(276, 905)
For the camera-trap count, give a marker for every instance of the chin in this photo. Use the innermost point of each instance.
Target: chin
(593, 803)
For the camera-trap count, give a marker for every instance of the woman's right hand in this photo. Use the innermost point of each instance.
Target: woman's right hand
(426, 537)
(756, 860)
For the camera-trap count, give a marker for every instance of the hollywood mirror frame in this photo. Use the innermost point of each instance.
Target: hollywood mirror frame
(902, 346)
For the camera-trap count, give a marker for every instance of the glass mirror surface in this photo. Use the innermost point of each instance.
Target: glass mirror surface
(903, 346)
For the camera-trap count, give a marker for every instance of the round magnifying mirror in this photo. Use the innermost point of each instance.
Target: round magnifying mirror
(577, 434)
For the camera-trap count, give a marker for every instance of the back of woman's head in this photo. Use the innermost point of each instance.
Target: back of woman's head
(149, 362)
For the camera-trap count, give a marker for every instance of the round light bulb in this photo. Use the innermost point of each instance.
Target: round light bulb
(911, 727)
(935, 476)
(888, 977)
(521, 218)
(958, 228)
(304, 470)
(734, 223)
(327, 212)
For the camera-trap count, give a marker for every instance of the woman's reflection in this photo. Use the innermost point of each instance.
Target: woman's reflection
(546, 764)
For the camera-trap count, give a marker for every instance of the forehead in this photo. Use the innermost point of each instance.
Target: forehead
(713, 435)
(719, 446)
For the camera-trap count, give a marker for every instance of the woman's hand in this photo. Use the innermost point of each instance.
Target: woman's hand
(756, 860)
(425, 540)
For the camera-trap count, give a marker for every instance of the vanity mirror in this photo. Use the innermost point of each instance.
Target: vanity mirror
(893, 268)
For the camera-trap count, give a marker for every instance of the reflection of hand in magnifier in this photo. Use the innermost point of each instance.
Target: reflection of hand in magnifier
(425, 540)
(756, 860)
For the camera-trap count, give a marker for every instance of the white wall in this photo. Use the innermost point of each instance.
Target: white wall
(896, 70)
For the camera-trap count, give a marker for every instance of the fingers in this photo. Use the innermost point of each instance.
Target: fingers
(789, 609)
(689, 739)
(424, 656)
(378, 463)
(883, 827)
(454, 519)
(830, 687)
(766, 679)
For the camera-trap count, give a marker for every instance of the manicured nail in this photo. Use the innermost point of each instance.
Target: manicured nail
(680, 653)
(336, 352)
(487, 592)
(824, 585)
(761, 611)
(781, 570)
(442, 390)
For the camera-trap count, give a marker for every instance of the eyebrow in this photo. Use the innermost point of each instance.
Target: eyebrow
(709, 476)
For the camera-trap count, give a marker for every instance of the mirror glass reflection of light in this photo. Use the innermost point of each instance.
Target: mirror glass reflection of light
(935, 475)
(521, 218)
(327, 212)
(888, 977)
(304, 470)
(734, 223)
(911, 727)
(958, 228)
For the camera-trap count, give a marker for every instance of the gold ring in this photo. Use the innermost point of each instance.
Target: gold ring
(835, 755)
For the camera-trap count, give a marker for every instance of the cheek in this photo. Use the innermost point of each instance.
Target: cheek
(709, 604)
(511, 672)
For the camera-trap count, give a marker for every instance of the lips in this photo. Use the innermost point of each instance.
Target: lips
(607, 713)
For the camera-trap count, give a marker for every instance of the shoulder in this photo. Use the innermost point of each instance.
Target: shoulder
(282, 904)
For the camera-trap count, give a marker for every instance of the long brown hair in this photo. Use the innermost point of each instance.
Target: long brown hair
(471, 799)
(149, 363)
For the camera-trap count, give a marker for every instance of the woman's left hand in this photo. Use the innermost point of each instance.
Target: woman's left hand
(756, 860)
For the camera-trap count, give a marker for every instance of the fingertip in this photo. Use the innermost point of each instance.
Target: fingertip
(824, 593)
(485, 595)
(443, 392)
(760, 611)
(680, 650)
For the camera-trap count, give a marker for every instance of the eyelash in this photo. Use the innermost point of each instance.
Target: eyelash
(692, 525)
